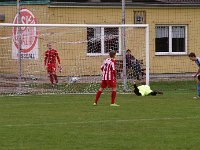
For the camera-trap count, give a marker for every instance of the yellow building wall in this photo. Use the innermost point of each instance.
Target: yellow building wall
(174, 16)
(74, 57)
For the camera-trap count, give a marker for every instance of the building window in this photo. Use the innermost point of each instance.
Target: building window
(139, 17)
(170, 40)
(101, 40)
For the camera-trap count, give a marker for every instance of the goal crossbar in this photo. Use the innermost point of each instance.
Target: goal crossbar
(144, 26)
(75, 25)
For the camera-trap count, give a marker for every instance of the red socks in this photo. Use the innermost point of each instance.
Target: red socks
(97, 96)
(51, 78)
(56, 78)
(113, 95)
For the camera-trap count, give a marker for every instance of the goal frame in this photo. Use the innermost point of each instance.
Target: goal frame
(123, 50)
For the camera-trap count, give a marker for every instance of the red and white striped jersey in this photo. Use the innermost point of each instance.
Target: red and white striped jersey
(108, 69)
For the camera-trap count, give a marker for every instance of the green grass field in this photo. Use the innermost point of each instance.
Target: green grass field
(70, 122)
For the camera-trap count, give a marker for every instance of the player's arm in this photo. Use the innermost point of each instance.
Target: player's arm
(45, 59)
(59, 66)
(58, 58)
(114, 73)
(102, 66)
(114, 69)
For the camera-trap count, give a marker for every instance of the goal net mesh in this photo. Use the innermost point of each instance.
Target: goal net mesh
(82, 51)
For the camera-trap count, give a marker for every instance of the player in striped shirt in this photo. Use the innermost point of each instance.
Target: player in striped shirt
(193, 57)
(108, 78)
(50, 62)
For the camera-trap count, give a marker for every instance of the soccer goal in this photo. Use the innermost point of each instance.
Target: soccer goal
(82, 49)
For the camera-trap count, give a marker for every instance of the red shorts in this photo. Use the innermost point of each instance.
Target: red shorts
(51, 68)
(108, 83)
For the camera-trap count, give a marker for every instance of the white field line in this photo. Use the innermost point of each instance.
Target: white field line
(65, 102)
(47, 103)
(50, 94)
(99, 122)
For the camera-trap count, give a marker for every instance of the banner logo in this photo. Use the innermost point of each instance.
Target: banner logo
(28, 35)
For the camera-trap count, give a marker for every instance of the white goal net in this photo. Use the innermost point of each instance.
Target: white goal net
(81, 48)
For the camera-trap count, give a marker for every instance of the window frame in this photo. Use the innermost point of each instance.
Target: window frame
(170, 52)
(103, 42)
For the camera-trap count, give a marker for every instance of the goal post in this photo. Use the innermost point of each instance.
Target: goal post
(82, 49)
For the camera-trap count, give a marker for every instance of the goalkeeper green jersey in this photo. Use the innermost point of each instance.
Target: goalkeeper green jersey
(144, 90)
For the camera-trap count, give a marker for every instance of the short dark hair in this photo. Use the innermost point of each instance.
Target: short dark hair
(112, 53)
(128, 50)
(192, 54)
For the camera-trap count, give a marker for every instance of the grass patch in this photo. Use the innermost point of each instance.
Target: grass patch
(93, 87)
(169, 121)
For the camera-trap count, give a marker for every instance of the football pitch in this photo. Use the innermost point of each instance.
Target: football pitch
(70, 122)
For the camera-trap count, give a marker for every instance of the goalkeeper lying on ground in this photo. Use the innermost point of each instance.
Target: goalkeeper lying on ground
(145, 90)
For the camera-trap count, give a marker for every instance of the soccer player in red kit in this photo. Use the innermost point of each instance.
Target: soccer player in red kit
(108, 78)
(50, 62)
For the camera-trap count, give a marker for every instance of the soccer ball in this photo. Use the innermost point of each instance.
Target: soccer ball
(33, 77)
(74, 79)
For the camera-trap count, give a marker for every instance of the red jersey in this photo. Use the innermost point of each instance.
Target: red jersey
(50, 57)
(108, 69)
